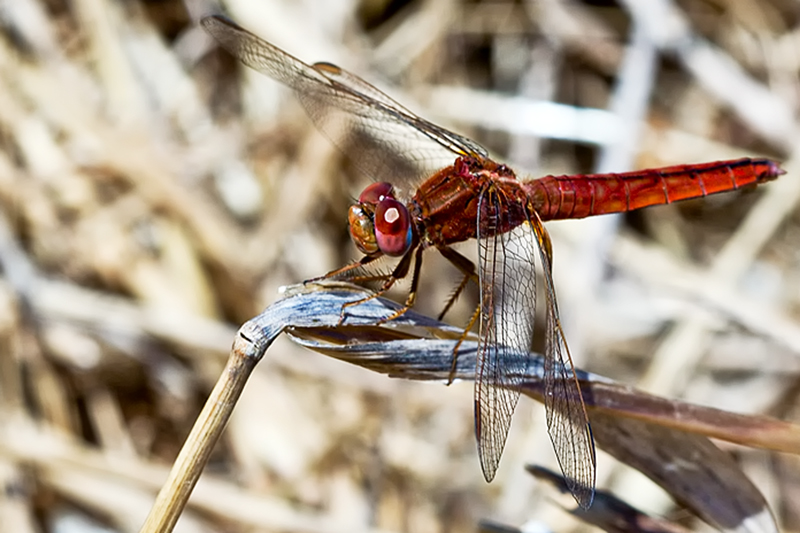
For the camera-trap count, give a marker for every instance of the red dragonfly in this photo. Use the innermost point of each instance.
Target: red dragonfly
(434, 188)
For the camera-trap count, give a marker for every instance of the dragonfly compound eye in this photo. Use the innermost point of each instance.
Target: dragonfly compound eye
(362, 230)
(376, 192)
(392, 227)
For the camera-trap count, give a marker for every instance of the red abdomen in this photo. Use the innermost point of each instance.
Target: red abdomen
(579, 196)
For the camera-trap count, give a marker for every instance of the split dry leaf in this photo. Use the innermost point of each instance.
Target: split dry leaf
(664, 439)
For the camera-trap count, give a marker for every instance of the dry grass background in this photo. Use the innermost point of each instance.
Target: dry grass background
(154, 194)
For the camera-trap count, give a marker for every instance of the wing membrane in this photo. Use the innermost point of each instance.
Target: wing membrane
(567, 422)
(508, 303)
(507, 273)
(383, 139)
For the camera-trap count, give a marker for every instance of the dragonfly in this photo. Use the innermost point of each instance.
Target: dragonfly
(433, 188)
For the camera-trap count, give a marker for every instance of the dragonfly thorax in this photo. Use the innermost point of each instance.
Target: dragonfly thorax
(448, 203)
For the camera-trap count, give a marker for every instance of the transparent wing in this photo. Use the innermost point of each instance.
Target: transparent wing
(508, 303)
(567, 422)
(382, 138)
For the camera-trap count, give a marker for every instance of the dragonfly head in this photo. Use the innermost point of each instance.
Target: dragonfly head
(379, 222)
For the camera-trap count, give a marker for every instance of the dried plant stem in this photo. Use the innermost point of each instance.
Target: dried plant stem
(207, 429)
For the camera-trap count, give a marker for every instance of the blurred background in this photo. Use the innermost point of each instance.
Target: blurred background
(155, 194)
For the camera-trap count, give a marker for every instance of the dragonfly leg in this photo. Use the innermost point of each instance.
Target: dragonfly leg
(368, 279)
(466, 266)
(365, 260)
(460, 262)
(454, 296)
(400, 271)
(412, 293)
(472, 320)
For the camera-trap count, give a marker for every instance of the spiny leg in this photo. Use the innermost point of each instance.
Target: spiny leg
(454, 296)
(412, 293)
(459, 261)
(365, 260)
(468, 268)
(471, 323)
(370, 279)
(400, 271)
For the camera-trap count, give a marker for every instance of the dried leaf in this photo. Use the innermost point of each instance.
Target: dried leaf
(662, 438)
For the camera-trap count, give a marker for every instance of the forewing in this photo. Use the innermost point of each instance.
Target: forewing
(508, 304)
(567, 422)
(453, 142)
(382, 138)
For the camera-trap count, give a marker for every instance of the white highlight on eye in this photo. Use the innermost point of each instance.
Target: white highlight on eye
(391, 215)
